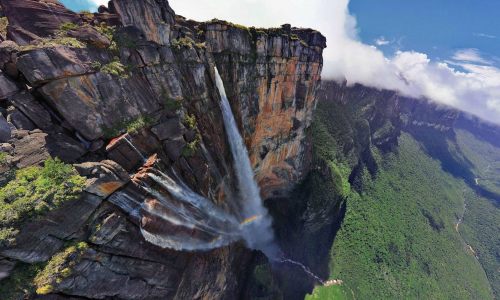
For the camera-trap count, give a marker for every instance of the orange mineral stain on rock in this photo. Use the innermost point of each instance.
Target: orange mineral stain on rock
(108, 188)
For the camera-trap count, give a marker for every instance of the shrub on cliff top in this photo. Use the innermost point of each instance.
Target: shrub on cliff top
(34, 191)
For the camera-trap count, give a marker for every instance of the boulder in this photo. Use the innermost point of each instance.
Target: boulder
(169, 129)
(7, 86)
(91, 36)
(174, 147)
(48, 64)
(36, 18)
(96, 102)
(19, 120)
(30, 150)
(27, 104)
(154, 19)
(125, 153)
(8, 58)
(104, 177)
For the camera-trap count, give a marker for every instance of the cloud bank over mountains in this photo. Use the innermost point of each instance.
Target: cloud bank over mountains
(466, 81)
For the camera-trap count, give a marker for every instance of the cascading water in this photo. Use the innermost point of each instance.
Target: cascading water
(258, 233)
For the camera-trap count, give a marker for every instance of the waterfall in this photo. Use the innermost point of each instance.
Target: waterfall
(178, 218)
(258, 233)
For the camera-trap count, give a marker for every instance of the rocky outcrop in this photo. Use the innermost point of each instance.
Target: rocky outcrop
(136, 82)
(31, 19)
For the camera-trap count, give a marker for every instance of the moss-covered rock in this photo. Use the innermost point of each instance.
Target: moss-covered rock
(34, 191)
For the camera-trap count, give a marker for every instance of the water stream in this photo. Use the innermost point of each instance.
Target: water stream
(125, 137)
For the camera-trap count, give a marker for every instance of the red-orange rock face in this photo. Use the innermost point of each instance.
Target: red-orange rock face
(271, 78)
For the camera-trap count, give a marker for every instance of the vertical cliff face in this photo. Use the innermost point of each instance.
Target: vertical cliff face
(104, 91)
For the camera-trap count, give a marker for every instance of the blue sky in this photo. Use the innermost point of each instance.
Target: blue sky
(436, 27)
(78, 5)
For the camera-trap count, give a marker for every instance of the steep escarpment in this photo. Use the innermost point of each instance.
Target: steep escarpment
(107, 91)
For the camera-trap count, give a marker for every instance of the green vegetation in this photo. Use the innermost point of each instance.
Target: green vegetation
(107, 31)
(485, 160)
(54, 42)
(191, 148)
(172, 104)
(187, 42)
(4, 22)
(399, 238)
(237, 26)
(115, 68)
(190, 121)
(480, 231)
(336, 292)
(3, 157)
(482, 217)
(398, 242)
(20, 285)
(68, 26)
(96, 65)
(138, 124)
(60, 38)
(130, 126)
(58, 268)
(87, 14)
(34, 191)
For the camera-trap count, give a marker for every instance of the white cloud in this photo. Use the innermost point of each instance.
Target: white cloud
(100, 2)
(470, 55)
(381, 41)
(485, 35)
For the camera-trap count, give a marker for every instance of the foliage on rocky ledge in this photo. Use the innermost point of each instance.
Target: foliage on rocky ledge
(34, 191)
(3, 27)
(59, 267)
(115, 68)
(61, 38)
(130, 126)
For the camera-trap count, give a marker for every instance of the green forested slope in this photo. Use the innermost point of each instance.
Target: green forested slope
(399, 238)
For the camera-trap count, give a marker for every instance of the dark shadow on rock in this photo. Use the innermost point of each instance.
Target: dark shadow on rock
(306, 225)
